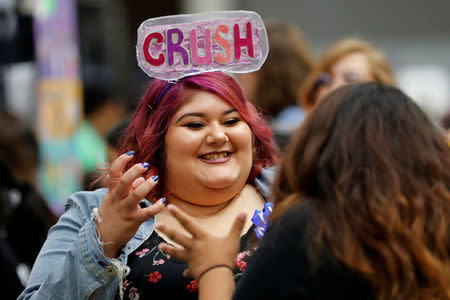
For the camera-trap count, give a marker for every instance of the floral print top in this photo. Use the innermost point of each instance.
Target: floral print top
(155, 274)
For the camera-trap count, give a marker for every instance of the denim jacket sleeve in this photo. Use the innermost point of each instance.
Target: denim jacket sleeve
(71, 263)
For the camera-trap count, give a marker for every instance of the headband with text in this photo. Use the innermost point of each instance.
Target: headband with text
(172, 47)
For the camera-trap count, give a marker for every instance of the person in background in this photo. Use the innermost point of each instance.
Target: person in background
(196, 142)
(275, 87)
(362, 210)
(446, 125)
(347, 61)
(25, 217)
(102, 110)
(113, 138)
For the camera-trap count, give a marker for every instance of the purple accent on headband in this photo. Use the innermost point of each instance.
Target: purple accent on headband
(169, 84)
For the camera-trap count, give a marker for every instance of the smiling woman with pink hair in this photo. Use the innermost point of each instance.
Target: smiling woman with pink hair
(197, 143)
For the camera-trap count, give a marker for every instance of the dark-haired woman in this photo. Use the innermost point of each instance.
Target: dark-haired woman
(362, 210)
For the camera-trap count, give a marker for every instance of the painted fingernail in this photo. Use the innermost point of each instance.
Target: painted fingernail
(145, 164)
(155, 178)
(129, 153)
(163, 199)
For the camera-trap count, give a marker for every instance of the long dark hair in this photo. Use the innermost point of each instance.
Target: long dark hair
(377, 173)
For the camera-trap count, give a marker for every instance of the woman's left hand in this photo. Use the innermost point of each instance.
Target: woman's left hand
(203, 250)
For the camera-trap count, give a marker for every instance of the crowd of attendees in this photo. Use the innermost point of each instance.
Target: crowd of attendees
(358, 174)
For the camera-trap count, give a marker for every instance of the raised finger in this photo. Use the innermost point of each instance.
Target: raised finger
(173, 251)
(137, 182)
(125, 181)
(177, 237)
(187, 222)
(140, 192)
(117, 166)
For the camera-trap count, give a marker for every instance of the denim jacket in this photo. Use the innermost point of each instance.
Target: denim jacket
(71, 263)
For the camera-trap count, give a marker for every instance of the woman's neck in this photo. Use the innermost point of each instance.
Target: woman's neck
(201, 211)
(218, 218)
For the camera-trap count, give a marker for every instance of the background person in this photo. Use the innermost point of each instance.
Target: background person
(25, 217)
(275, 87)
(113, 138)
(347, 61)
(446, 125)
(102, 109)
(352, 219)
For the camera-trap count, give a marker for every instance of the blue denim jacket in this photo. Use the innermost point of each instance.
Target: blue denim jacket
(72, 265)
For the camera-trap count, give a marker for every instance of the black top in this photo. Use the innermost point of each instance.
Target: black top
(156, 275)
(281, 269)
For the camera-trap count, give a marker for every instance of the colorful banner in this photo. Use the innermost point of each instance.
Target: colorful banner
(59, 98)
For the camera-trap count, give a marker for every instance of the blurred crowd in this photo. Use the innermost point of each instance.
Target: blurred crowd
(285, 90)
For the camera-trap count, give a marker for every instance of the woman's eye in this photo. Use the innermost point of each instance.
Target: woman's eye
(231, 121)
(194, 125)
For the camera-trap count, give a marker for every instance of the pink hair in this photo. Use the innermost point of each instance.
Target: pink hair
(146, 132)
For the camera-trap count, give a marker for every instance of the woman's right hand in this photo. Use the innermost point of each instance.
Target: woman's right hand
(120, 213)
(202, 250)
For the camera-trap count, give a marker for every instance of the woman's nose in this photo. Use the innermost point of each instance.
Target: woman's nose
(217, 135)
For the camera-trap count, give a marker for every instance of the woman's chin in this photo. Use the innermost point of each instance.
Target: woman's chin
(220, 183)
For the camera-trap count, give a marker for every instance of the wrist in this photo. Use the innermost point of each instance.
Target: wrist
(219, 268)
(217, 283)
(110, 249)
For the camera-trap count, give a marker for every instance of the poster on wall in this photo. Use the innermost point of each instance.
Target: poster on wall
(59, 98)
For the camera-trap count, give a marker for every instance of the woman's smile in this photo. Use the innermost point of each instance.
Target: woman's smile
(216, 157)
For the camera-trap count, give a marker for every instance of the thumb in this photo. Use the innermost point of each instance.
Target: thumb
(187, 273)
(238, 226)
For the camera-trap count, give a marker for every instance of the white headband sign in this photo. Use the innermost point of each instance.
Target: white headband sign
(172, 47)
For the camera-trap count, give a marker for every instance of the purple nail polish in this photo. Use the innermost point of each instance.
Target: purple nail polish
(145, 164)
(129, 153)
(155, 178)
(164, 200)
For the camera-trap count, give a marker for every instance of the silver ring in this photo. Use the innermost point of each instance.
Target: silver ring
(112, 178)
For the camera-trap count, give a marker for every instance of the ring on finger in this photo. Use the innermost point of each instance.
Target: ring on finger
(112, 178)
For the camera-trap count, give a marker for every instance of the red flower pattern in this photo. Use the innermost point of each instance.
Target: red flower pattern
(154, 277)
(193, 286)
(242, 265)
(240, 260)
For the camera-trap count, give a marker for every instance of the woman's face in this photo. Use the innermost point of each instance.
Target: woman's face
(208, 150)
(350, 68)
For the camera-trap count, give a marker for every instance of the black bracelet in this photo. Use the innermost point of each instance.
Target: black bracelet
(213, 267)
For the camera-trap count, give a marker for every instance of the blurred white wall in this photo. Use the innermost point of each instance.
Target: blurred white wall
(195, 6)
